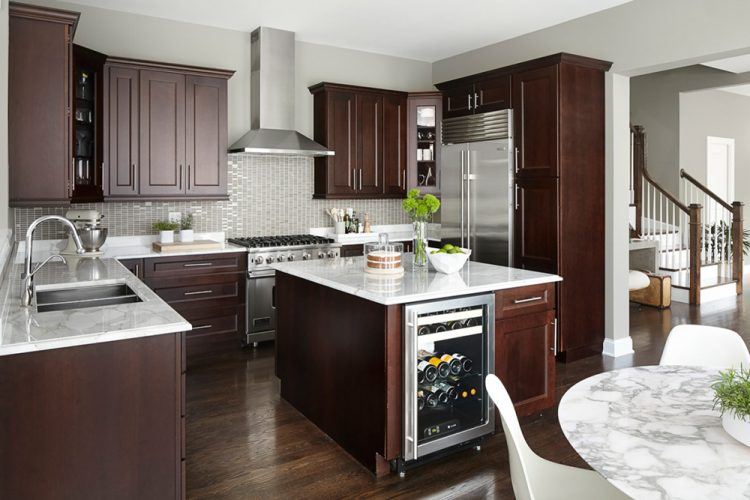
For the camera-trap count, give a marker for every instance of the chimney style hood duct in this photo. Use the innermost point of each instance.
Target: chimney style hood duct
(272, 99)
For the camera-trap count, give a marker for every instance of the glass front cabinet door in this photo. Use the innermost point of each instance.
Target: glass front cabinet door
(425, 114)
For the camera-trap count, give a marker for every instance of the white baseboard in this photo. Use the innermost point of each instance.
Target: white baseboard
(618, 347)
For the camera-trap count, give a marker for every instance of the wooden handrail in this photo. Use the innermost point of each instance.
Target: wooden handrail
(666, 193)
(640, 167)
(703, 188)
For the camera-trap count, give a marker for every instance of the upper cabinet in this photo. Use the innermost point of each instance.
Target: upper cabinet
(477, 94)
(167, 131)
(39, 105)
(367, 130)
(425, 109)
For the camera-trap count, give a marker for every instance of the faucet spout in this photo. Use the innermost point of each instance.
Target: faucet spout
(28, 275)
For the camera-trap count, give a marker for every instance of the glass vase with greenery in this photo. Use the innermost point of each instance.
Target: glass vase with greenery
(420, 209)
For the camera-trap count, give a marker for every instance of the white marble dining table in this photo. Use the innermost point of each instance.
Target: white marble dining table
(653, 433)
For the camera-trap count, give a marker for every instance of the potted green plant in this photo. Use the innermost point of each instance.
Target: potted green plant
(732, 398)
(186, 229)
(166, 230)
(420, 209)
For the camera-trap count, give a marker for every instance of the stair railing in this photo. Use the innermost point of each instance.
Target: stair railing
(662, 217)
(722, 228)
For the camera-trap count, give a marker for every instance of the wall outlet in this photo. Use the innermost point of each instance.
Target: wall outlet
(175, 217)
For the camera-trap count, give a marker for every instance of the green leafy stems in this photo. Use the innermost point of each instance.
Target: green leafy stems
(164, 225)
(420, 207)
(186, 222)
(732, 392)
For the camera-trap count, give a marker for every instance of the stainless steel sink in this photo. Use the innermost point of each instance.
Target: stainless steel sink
(85, 296)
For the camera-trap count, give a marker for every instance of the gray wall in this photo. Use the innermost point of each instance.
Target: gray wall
(141, 37)
(655, 104)
(6, 220)
(721, 114)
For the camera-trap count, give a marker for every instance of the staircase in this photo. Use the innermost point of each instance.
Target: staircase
(697, 231)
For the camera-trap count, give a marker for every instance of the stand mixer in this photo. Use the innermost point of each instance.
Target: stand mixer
(88, 227)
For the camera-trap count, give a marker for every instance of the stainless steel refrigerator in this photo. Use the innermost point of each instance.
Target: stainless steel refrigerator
(477, 185)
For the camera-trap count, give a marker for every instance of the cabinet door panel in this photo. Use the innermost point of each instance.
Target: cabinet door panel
(493, 94)
(525, 360)
(458, 101)
(341, 139)
(162, 133)
(535, 105)
(394, 144)
(206, 135)
(38, 111)
(369, 144)
(536, 224)
(122, 138)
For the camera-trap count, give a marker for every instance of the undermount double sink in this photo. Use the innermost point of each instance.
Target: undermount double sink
(59, 299)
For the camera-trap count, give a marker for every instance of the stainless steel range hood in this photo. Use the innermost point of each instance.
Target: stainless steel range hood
(272, 99)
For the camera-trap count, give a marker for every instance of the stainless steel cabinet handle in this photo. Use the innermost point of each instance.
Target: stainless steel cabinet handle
(515, 162)
(180, 176)
(530, 299)
(137, 270)
(202, 327)
(198, 264)
(469, 96)
(188, 179)
(360, 179)
(132, 175)
(554, 339)
(516, 194)
(199, 292)
(476, 100)
(463, 204)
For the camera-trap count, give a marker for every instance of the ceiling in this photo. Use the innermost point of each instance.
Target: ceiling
(738, 89)
(739, 64)
(426, 31)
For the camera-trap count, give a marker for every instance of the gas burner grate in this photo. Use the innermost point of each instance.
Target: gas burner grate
(281, 241)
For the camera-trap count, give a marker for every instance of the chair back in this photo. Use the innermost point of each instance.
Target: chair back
(707, 346)
(520, 455)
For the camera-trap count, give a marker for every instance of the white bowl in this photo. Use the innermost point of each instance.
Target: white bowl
(448, 263)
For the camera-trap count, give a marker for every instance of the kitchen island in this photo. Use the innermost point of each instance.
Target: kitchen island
(91, 398)
(340, 344)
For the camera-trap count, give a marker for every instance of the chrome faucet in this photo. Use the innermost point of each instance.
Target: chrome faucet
(28, 275)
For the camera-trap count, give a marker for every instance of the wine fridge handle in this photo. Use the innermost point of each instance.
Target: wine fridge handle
(410, 388)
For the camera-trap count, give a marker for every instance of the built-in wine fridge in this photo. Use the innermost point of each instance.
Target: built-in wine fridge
(449, 348)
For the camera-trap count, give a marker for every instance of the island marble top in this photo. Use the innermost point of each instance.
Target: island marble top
(416, 284)
(653, 433)
(23, 329)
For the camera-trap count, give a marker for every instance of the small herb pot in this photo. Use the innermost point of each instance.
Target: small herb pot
(166, 236)
(186, 235)
(736, 427)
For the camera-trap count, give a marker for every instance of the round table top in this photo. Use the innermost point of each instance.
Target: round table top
(652, 432)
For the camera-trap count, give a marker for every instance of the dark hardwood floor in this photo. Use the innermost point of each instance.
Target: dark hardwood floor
(243, 441)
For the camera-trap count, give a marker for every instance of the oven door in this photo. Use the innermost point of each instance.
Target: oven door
(260, 322)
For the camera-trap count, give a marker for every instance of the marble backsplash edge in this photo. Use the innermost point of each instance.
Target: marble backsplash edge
(268, 194)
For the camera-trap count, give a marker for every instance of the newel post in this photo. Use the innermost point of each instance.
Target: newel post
(738, 247)
(696, 238)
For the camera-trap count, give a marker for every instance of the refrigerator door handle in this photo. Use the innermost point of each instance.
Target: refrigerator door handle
(463, 174)
(468, 199)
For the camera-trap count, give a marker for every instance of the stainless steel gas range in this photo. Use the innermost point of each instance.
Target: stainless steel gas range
(262, 251)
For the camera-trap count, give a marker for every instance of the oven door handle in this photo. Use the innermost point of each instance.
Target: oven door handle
(261, 274)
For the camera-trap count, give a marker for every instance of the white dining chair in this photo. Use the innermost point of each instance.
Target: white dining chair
(535, 478)
(707, 346)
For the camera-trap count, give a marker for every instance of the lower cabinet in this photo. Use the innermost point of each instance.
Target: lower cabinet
(207, 290)
(94, 421)
(525, 336)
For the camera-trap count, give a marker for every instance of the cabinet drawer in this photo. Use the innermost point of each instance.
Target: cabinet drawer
(200, 292)
(524, 300)
(210, 321)
(195, 264)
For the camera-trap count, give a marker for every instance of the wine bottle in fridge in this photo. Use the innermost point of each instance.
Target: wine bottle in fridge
(443, 368)
(466, 363)
(453, 363)
(426, 371)
(441, 395)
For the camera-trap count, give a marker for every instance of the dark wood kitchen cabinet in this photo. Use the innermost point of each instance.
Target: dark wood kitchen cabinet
(103, 420)
(476, 94)
(167, 131)
(525, 331)
(366, 128)
(39, 104)
(558, 116)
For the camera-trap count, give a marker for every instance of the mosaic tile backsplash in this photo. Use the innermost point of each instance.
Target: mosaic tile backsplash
(268, 195)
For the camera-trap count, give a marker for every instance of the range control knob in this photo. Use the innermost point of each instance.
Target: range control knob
(258, 260)
(291, 258)
(281, 258)
(269, 260)
(331, 254)
(321, 255)
(305, 256)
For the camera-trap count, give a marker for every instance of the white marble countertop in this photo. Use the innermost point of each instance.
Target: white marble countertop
(415, 285)
(396, 232)
(653, 433)
(23, 329)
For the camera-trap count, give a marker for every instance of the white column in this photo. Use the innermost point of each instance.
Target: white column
(617, 341)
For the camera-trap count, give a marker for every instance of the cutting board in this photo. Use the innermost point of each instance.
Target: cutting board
(180, 246)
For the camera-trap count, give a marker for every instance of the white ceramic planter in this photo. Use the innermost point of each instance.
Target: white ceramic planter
(166, 236)
(736, 427)
(186, 235)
